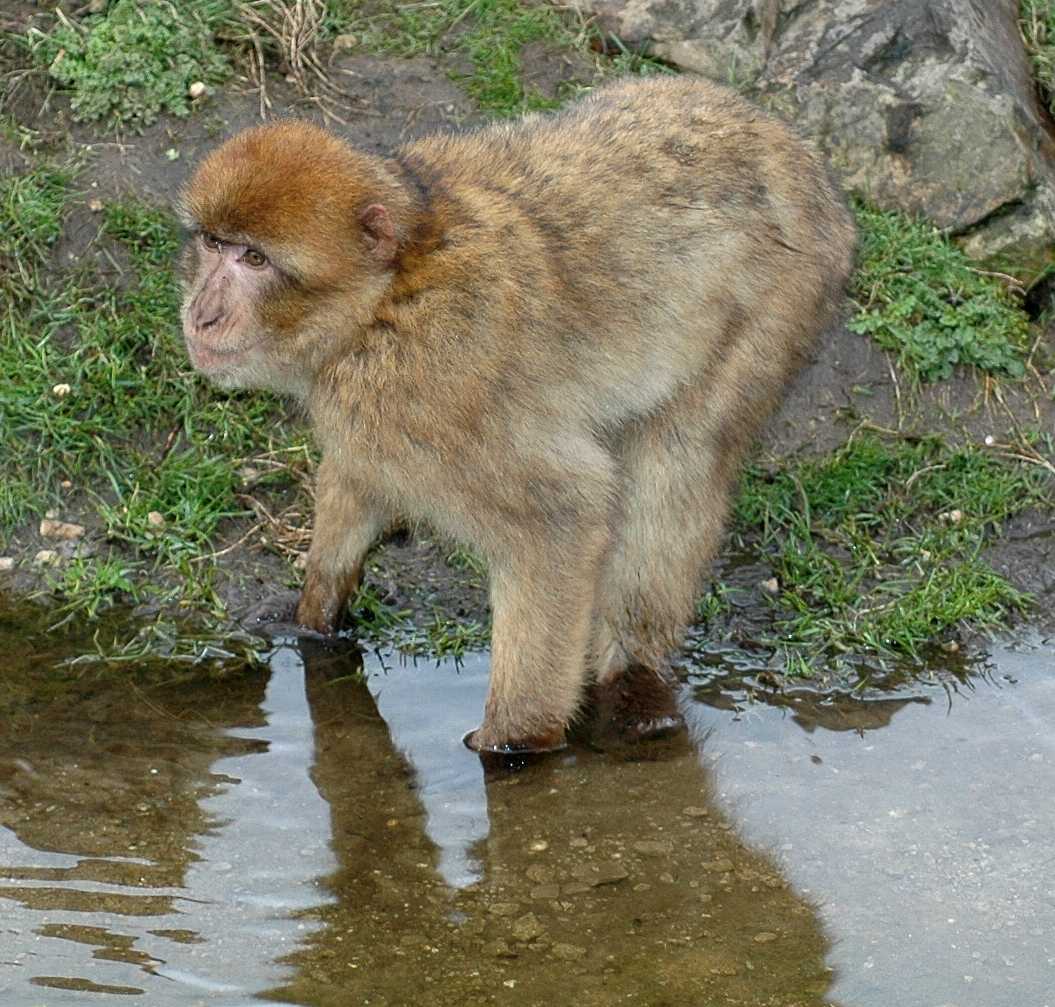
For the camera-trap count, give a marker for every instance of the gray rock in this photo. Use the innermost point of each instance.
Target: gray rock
(925, 106)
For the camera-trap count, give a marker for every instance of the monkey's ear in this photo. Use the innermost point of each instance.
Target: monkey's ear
(380, 232)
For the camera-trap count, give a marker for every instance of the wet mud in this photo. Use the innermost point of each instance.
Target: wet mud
(313, 831)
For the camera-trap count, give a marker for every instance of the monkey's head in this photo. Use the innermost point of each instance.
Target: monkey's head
(295, 238)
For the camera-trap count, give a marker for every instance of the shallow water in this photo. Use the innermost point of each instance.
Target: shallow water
(294, 834)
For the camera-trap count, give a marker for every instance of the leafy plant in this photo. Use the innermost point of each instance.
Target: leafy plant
(136, 60)
(920, 297)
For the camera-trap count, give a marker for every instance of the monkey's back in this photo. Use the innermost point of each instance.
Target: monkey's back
(655, 232)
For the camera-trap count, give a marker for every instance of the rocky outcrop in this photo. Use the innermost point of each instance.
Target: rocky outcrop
(923, 105)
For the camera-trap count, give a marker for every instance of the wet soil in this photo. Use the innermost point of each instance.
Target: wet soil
(385, 102)
(313, 831)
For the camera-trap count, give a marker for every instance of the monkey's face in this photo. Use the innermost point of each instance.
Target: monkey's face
(223, 325)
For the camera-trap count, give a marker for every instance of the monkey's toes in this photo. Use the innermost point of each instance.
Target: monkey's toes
(483, 739)
(639, 705)
(276, 615)
(276, 610)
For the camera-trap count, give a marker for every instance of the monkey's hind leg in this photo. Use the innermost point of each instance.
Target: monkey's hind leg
(676, 492)
(543, 596)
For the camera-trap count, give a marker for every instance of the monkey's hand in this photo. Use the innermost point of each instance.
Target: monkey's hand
(322, 603)
(273, 615)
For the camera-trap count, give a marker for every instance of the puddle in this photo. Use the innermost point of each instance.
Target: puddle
(297, 835)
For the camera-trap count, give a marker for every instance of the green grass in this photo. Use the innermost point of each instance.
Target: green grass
(1037, 18)
(921, 298)
(489, 36)
(878, 547)
(137, 434)
(136, 60)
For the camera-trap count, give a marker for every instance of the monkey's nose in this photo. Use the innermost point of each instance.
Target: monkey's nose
(206, 320)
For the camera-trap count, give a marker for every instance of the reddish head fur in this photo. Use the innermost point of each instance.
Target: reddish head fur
(297, 191)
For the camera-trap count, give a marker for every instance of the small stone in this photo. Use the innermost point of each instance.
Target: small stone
(667, 879)
(499, 949)
(527, 928)
(725, 969)
(342, 42)
(718, 866)
(156, 519)
(7, 563)
(47, 557)
(694, 812)
(66, 484)
(771, 586)
(951, 647)
(504, 908)
(765, 937)
(301, 562)
(575, 888)
(951, 516)
(990, 440)
(538, 846)
(95, 205)
(546, 892)
(60, 391)
(606, 872)
(172, 154)
(541, 874)
(50, 528)
(578, 843)
(568, 952)
(653, 848)
(197, 89)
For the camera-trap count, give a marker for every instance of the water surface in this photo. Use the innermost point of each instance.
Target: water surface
(314, 832)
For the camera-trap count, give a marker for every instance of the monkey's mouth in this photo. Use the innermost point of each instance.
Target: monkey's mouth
(204, 357)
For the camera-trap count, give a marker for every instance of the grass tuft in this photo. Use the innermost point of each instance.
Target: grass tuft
(878, 547)
(100, 409)
(135, 60)
(920, 297)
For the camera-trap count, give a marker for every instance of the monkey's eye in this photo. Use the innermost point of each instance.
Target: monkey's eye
(210, 241)
(255, 259)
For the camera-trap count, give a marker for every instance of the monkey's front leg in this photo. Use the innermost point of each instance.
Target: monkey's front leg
(543, 611)
(347, 522)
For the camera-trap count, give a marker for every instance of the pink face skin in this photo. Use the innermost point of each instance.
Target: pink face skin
(219, 317)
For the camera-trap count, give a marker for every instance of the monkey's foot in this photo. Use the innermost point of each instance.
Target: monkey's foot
(483, 739)
(500, 758)
(639, 704)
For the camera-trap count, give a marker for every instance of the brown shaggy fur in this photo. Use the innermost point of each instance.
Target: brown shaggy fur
(582, 324)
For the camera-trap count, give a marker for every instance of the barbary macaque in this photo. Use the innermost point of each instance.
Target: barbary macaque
(553, 341)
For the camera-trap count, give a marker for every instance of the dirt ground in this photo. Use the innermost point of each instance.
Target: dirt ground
(388, 101)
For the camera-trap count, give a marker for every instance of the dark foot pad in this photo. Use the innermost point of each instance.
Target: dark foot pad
(638, 705)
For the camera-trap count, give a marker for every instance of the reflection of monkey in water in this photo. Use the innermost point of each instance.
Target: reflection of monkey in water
(552, 340)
